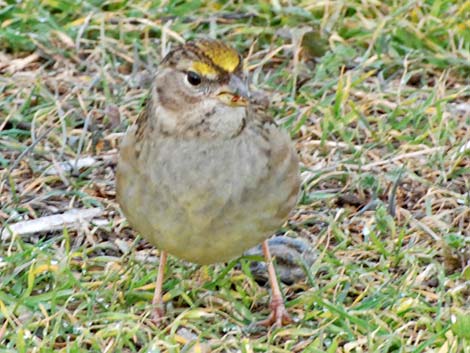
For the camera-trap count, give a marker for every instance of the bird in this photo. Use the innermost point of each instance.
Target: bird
(205, 173)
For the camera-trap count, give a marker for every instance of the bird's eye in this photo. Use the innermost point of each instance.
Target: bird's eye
(193, 78)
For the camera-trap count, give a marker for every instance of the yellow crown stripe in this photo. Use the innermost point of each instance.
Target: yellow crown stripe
(205, 69)
(220, 54)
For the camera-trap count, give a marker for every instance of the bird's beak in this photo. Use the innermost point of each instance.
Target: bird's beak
(236, 93)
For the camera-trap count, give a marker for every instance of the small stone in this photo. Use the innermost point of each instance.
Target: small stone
(292, 256)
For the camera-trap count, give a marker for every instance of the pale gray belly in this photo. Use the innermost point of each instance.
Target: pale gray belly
(205, 203)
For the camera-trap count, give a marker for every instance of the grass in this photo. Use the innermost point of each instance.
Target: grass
(376, 96)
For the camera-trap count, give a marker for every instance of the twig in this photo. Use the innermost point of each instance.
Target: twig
(72, 218)
(397, 158)
(334, 144)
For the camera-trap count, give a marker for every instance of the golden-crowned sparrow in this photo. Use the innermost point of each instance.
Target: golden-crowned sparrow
(205, 173)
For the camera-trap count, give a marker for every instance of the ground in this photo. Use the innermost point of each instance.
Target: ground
(376, 97)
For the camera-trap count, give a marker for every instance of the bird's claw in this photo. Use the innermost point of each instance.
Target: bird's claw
(279, 315)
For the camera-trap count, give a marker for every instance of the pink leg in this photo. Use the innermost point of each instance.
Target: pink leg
(157, 302)
(279, 315)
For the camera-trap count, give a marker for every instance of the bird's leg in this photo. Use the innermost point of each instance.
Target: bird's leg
(157, 302)
(279, 315)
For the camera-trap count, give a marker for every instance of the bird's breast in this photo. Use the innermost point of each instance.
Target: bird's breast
(205, 201)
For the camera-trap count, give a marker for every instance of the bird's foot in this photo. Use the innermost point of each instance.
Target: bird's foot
(157, 315)
(279, 315)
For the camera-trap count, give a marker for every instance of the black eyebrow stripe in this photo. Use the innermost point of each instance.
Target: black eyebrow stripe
(193, 52)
